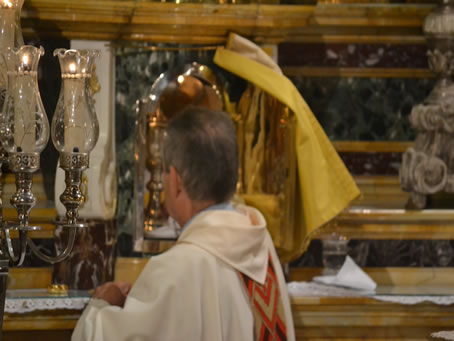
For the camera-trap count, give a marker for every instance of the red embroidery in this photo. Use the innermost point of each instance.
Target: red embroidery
(267, 307)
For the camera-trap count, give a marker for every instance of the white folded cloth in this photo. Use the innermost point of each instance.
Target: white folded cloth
(350, 275)
(446, 335)
(170, 231)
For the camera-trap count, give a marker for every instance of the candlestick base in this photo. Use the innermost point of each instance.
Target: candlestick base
(72, 197)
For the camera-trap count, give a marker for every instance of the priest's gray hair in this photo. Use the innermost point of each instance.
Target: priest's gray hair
(201, 144)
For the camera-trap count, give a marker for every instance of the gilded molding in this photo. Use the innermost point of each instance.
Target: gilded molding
(371, 146)
(211, 23)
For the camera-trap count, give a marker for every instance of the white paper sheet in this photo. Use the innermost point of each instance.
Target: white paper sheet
(350, 275)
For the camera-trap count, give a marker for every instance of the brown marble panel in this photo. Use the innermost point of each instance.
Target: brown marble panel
(92, 260)
(372, 163)
(353, 55)
(387, 253)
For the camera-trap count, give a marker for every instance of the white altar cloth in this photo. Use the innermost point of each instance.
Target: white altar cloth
(400, 295)
(28, 300)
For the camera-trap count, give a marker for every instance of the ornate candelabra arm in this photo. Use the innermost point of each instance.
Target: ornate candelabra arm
(13, 259)
(3, 283)
(66, 252)
(3, 159)
(23, 165)
(72, 197)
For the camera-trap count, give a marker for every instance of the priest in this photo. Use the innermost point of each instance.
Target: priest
(222, 280)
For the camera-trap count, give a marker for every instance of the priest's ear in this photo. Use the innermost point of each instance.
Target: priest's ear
(175, 181)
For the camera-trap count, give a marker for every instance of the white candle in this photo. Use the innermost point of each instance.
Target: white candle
(25, 106)
(7, 30)
(7, 25)
(74, 95)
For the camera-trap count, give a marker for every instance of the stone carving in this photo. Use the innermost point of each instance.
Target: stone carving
(428, 167)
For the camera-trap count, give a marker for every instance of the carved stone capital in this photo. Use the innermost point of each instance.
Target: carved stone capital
(432, 117)
(441, 62)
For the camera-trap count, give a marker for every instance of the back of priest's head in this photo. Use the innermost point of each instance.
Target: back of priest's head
(202, 146)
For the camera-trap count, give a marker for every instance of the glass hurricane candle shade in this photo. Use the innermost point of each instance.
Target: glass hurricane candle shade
(24, 133)
(10, 35)
(24, 128)
(25, 124)
(10, 29)
(75, 127)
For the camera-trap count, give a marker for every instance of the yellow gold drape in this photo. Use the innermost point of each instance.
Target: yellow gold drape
(325, 185)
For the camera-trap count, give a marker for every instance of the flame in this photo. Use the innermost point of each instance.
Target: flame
(72, 68)
(25, 60)
(7, 3)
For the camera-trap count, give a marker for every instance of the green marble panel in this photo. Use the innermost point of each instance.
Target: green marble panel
(364, 109)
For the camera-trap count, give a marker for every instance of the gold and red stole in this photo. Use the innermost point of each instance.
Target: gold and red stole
(266, 303)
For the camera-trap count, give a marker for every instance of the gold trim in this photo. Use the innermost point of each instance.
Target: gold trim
(58, 289)
(43, 217)
(36, 214)
(10, 178)
(156, 246)
(303, 71)
(41, 321)
(211, 23)
(29, 278)
(47, 232)
(365, 215)
(143, 47)
(366, 2)
(377, 180)
(383, 224)
(372, 146)
(128, 269)
(372, 14)
(393, 230)
(380, 214)
(158, 22)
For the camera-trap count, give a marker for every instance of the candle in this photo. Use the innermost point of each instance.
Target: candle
(7, 24)
(25, 106)
(74, 95)
(7, 33)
